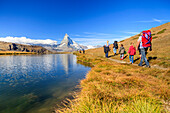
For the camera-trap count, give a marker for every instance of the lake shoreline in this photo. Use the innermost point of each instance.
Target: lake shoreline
(100, 87)
(36, 83)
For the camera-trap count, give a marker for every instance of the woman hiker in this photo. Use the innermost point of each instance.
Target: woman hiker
(121, 52)
(132, 52)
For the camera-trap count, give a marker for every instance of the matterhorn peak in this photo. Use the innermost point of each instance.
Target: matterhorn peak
(66, 40)
(67, 44)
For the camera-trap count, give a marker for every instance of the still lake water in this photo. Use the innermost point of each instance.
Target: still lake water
(36, 83)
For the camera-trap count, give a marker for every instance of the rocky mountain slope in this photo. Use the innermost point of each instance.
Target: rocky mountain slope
(8, 46)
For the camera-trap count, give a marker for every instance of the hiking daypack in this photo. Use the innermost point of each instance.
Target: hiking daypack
(146, 38)
(115, 45)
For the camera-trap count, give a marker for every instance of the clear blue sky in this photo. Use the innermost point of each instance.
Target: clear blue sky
(86, 21)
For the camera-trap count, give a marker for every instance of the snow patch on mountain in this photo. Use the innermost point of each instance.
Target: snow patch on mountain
(24, 40)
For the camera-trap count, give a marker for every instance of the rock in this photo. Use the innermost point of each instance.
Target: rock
(7, 46)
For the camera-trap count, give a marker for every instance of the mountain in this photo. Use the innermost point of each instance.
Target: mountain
(68, 45)
(8, 46)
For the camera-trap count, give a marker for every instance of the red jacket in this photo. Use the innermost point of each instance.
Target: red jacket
(132, 50)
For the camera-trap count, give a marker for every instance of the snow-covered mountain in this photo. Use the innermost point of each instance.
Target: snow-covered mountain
(67, 44)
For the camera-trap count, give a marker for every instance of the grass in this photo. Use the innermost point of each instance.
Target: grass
(122, 88)
(15, 53)
(136, 38)
(162, 31)
(111, 87)
(154, 37)
(122, 41)
(152, 34)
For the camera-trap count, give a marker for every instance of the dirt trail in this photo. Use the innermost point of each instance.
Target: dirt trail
(124, 62)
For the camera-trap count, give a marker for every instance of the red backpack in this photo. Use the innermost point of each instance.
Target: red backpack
(146, 38)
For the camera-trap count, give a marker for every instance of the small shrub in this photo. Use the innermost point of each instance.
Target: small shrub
(122, 40)
(135, 38)
(107, 73)
(154, 37)
(152, 34)
(162, 31)
(98, 70)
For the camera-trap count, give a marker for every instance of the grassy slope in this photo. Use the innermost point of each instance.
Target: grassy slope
(160, 54)
(112, 87)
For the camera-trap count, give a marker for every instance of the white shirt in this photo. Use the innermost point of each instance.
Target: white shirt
(140, 44)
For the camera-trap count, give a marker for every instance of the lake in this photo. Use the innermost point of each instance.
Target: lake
(37, 83)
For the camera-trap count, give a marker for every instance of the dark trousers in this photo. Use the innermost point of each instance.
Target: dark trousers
(106, 54)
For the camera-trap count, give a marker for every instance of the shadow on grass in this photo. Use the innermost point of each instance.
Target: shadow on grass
(136, 59)
(125, 56)
(151, 58)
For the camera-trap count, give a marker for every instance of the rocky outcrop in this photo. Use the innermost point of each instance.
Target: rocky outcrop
(7, 46)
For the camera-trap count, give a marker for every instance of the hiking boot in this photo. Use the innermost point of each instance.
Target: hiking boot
(140, 65)
(148, 66)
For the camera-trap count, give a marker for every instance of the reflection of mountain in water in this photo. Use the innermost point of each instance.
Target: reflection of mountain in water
(67, 61)
(25, 69)
(38, 81)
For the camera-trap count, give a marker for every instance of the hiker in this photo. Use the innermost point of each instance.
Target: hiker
(121, 52)
(143, 43)
(115, 47)
(79, 51)
(83, 51)
(106, 49)
(132, 52)
(139, 51)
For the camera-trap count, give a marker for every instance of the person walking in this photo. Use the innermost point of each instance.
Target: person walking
(132, 52)
(121, 52)
(106, 49)
(115, 47)
(143, 53)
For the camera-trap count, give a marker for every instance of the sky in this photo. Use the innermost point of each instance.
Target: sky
(88, 22)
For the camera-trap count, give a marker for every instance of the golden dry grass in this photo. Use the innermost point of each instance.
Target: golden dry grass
(113, 87)
(159, 55)
(14, 52)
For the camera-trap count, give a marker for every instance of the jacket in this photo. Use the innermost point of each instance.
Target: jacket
(106, 49)
(132, 50)
(122, 50)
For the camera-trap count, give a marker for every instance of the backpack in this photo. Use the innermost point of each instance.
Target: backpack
(115, 45)
(146, 39)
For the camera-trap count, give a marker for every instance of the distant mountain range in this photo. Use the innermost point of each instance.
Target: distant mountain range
(66, 45)
(28, 41)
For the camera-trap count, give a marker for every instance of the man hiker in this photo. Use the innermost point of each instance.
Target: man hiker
(115, 47)
(142, 46)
